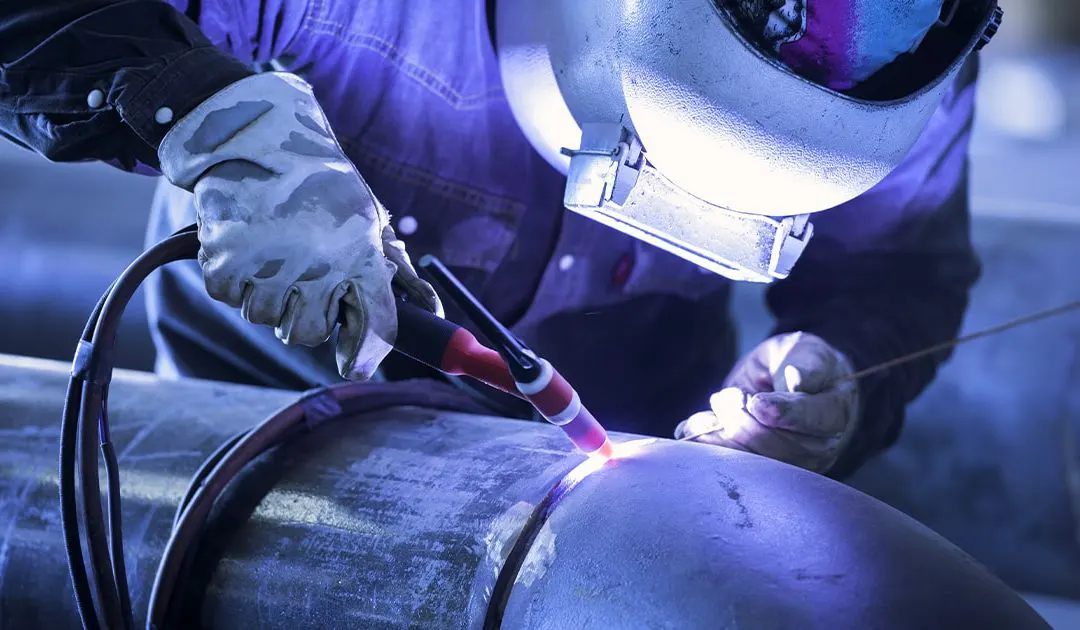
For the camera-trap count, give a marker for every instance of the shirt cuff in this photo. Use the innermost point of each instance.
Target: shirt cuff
(185, 82)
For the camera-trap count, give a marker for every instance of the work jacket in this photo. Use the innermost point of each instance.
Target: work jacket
(413, 91)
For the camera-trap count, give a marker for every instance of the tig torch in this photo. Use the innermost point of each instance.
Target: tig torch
(514, 368)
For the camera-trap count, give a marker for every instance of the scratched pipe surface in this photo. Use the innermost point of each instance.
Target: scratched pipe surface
(380, 522)
(410, 519)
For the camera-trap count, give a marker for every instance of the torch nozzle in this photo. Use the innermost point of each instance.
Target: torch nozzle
(606, 450)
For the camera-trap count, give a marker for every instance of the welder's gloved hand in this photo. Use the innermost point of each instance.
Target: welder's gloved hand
(788, 399)
(290, 232)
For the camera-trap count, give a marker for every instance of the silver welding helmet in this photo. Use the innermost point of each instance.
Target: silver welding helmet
(673, 126)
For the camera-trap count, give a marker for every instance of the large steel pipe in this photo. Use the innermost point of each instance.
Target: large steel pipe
(415, 518)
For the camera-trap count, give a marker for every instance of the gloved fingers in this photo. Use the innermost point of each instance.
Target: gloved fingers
(725, 414)
(802, 362)
(706, 427)
(307, 318)
(310, 311)
(351, 360)
(419, 291)
(751, 374)
(729, 425)
(738, 428)
(422, 294)
(222, 286)
(203, 257)
(368, 328)
(262, 303)
(809, 453)
(697, 428)
(818, 415)
(734, 423)
(743, 433)
(703, 426)
(727, 417)
(381, 214)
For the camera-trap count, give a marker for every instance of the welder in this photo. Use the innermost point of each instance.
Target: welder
(317, 141)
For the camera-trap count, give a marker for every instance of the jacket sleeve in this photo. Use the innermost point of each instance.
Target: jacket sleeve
(889, 273)
(148, 62)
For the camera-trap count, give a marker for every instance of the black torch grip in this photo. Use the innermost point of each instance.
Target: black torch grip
(422, 335)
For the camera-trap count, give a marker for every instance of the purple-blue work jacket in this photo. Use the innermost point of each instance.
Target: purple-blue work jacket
(413, 91)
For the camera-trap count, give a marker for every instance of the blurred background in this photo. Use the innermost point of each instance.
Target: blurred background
(990, 457)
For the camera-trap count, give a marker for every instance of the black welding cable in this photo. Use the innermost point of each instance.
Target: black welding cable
(116, 537)
(116, 534)
(92, 517)
(102, 546)
(348, 399)
(108, 576)
(177, 247)
(209, 482)
(253, 444)
(68, 505)
(84, 599)
(203, 472)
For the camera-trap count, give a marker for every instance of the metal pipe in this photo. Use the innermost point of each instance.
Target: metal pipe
(415, 518)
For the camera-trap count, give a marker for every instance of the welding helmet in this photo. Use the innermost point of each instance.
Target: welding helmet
(698, 126)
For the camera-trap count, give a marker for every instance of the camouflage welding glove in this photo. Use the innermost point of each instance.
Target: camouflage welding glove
(290, 232)
(789, 399)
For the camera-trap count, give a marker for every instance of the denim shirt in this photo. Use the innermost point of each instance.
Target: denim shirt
(413, 91)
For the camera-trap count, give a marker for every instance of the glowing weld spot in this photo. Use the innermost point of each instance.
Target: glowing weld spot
(584, 469)
(595, 461)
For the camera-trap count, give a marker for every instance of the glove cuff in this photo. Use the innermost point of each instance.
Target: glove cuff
(232, 125)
